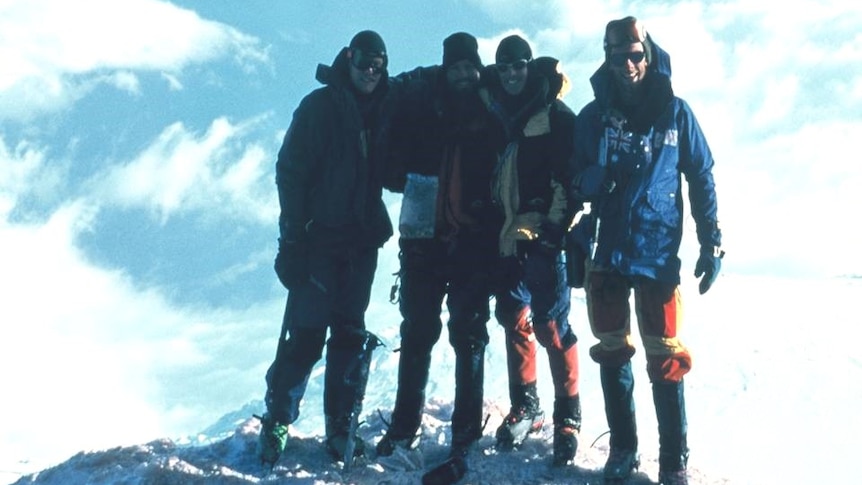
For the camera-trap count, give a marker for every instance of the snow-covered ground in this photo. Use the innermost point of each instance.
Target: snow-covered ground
(775, 383)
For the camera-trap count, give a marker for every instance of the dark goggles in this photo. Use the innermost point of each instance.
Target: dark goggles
(516, 65)
(620, 58)
(370, 60)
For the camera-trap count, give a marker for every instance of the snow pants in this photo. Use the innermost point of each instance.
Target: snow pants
(335, 298)
(533, 304)
(431, 271)
(658, 308)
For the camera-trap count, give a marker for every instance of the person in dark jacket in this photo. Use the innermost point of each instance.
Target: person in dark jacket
(532, 298)
(329, 176)
(634, 143)
(443, 159)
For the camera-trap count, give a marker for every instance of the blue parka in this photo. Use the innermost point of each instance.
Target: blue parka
(637, 213)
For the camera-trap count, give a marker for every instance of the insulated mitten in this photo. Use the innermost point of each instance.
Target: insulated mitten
(291, 263)
(708, 265)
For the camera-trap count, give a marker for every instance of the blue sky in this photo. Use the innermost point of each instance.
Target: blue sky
(138, 141)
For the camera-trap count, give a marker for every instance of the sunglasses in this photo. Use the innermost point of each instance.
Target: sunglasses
(516, 66)
(374, 61)
(621, 58)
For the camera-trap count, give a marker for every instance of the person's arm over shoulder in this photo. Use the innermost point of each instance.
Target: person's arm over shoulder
(403, 132)
(426, 74)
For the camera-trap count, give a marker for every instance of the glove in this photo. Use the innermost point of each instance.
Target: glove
(591, 183)
(552, 237)
(576, 265)
(577, 252)
(708, 265)
(291, 263)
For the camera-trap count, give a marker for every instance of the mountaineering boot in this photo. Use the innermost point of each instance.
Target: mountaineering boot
(449, 472)
(413, 368)
(389, 443)
(469, 396)
(618, 388)
(567, 427)
(348, 359)
(466, 415)
(678, 477)
(337, 433)
(524, 417)
(669, 400)
(567, 402)
(620, 465)
(272, 439)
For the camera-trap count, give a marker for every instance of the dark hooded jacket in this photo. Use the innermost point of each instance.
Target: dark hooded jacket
(534, 156)
(329, 171)
(643, 153)
(441, 134)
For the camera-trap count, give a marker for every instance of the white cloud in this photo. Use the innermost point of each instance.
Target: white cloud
(173, 82)
(789, 201)
(44, 44)
(17, 167)
(87, 346)
(126, 81)
(778, 102)
(186, 171)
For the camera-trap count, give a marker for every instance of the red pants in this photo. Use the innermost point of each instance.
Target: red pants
(659, 313)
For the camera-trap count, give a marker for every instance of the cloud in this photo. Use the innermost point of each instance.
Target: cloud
(51, 48)
(185, 171)
(88, 346)
(17, 169)
(126, 81)
(787, 200)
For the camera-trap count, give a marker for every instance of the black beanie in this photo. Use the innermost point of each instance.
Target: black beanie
(369, 42)
(513, 48)
(625, 31)
(461, 46)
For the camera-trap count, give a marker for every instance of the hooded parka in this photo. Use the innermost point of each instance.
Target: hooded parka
(644, 156)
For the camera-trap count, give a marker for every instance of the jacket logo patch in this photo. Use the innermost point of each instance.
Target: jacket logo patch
(619, 140)
(671, 138)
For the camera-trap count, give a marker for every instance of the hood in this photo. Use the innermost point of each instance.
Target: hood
(338, 73)
(601, 79)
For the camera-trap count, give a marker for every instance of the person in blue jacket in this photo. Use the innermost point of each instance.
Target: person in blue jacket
(633, 144)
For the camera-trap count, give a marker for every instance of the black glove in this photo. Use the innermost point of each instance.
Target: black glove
(708, 265)
(552, 237)
(291, 263)
(577, 252)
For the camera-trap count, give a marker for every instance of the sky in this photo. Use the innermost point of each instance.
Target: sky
(138, 207)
